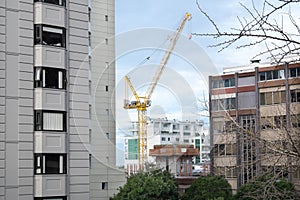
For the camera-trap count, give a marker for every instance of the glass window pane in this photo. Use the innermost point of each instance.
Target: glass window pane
(298, 95)
(281, 74)
(293, 96)
(275, 74)
(262, 99)
(293, 72)
(262, 76)
(221, 83)
(269, 75)
(276, 97)
(283, 97)
(226, 83)
(268, 98)
(53, 121)
(52, 164)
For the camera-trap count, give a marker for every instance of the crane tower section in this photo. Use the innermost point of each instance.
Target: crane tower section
(141, 103)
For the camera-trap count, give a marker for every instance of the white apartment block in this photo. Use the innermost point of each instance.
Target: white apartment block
(50, 145)
(163, 131)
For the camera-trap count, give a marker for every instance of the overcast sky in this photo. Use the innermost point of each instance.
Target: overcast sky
(142, 30)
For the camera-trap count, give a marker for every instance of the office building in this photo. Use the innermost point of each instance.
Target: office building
(254, 121)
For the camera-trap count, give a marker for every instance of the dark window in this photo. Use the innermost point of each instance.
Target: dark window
(49, 35)
(56, 2)
(295, 72)
(104, 185)
(50, 120)
(106, 17)
(275, 74)
(50, 78)
(106, 88)
(50, 163)
(53, 198)
(262, 99)
(269, 75)
(295, 95)
(262, 76)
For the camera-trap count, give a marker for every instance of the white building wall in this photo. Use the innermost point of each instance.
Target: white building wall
(162, 131)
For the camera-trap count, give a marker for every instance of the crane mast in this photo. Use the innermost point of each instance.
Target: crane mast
(141, 103)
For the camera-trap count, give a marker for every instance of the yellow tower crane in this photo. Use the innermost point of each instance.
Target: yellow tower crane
(141, 103)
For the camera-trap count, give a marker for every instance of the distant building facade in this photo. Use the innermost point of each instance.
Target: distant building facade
(254, 115)
(166, 132)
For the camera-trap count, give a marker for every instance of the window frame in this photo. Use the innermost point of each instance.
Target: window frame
(41, 78)
(40, 163)
(39, 32)
(39, 120)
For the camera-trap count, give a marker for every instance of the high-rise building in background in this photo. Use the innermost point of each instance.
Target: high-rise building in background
(254, 122)
(57, 101)
(166, 132)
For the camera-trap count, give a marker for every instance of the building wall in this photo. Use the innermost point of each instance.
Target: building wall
(16, 99)
(26, 140)
(105, 177)
(78, 100)
(162, 131)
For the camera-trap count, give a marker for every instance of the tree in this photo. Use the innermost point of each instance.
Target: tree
(208, 187)
(262, 26)
(155, 184)
(267, 186)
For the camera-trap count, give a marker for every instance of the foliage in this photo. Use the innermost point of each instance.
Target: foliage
(267, 186)
(209, 188)
(156, 184)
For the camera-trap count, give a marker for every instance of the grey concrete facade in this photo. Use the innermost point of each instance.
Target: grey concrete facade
(103, 138)
(46, 102)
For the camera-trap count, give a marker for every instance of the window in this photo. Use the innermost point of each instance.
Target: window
(185, 141)
(107, 135)
(50, 78)
(106, 88)
(270, 122)
(106, 41)
(295, 120)
(177, 139)
(50, 163)
(106, 17)
(56, 2)
(50, 120)
(49, 35)
(104, 185)
(163, 139)
(225, 149)
(271, 75)
(223, 83)
(186, 133)
(270, 98)
(295, 95)
(223, 104)
(51, 198)
(294, 72)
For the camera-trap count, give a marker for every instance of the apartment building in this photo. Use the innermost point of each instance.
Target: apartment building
(46, 108)
(254, 121)
(164, 132)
